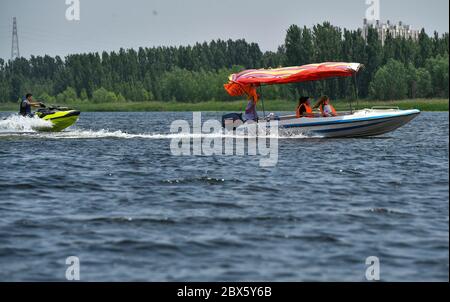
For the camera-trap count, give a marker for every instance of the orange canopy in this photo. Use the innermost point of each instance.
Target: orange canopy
(246, 81)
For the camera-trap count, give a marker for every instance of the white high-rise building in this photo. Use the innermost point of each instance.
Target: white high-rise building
(396, 30)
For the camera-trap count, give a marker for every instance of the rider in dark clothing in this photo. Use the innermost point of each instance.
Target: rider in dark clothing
(26, 104)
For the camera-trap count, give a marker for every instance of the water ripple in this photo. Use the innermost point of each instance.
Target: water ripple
(113, 194)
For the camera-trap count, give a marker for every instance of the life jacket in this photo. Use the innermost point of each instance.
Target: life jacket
(308, 110)
(25, 108)
(333, 111)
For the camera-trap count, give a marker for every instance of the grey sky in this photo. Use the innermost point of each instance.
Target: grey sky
(109, 25)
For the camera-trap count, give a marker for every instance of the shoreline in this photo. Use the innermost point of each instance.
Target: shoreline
(432, 105)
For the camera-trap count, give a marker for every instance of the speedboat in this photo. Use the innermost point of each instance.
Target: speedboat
(60, 117)
(356, 123)
(360, 123)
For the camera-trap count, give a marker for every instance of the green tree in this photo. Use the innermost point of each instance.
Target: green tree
(67, 96)
(83, 95)
(102, 95)
(438, 69)
(197, 72)
(374, 53)
(45, 97)
(425, 49)
(424, 84)
(419, 82)
(390, 82)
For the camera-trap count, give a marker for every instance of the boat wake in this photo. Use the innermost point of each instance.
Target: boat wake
(19, 124)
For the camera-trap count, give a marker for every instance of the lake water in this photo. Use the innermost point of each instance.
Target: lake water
(110, 192)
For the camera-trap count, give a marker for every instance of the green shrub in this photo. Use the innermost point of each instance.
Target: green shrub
(102, 95)
(67, 96)
(390, 82)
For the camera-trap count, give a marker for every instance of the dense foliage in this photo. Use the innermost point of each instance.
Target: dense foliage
(399, 69)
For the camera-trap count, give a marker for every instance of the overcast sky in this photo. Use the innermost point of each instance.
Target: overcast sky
(109, 25)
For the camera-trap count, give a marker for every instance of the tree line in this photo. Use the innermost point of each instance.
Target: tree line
(400, 68)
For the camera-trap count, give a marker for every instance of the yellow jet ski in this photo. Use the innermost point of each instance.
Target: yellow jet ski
(60, 117)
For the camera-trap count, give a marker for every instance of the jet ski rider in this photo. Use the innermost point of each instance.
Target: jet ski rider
(26, 104)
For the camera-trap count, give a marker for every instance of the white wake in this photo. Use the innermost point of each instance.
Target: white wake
(17, 123)
(119, 134)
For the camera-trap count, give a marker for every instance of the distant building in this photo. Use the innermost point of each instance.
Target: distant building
(396, 30)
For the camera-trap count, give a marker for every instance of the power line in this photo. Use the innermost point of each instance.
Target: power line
(15, 41)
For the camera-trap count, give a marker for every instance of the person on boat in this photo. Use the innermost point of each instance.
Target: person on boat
(250, 111)
(304, 107)
(26, 104)
(326, 109)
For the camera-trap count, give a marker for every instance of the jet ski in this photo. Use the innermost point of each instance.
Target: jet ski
(60, 117)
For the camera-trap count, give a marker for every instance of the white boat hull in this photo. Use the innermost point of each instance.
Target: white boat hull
(361, 123)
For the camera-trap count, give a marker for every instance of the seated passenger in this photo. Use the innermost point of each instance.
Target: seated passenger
(250, 111)
(326, 109)
(304, 107)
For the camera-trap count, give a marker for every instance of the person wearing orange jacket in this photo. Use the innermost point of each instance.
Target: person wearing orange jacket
(326, 109)
(304, 107)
